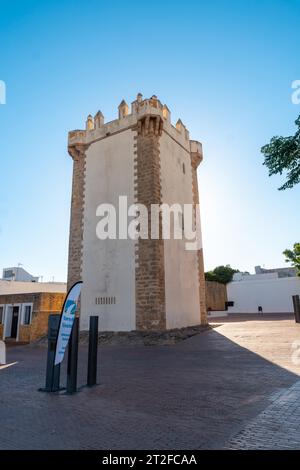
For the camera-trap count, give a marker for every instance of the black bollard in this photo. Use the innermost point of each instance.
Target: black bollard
(73, 358)
(52, 371)
(93, 351)
(296, 305)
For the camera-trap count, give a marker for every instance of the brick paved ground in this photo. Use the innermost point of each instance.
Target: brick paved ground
(231, 387)
(277, 427)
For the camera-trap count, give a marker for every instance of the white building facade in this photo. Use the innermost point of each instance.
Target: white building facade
(268, 291)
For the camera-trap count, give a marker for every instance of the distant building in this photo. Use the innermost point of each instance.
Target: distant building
(282, 272)
(237, 277)
(26, 306)
(268, 290)
(18, 274)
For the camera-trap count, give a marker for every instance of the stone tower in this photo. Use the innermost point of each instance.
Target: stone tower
(143, 284)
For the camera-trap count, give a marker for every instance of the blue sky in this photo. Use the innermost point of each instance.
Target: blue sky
(224, 67)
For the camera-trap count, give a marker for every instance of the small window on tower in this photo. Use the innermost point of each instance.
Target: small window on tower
(183, 168)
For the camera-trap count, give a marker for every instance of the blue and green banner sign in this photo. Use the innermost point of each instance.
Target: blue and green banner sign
(66, 321)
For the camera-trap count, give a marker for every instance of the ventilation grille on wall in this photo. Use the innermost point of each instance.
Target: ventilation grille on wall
(105, 300)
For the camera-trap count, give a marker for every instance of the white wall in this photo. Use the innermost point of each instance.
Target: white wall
(274, 295)
(108, 268)
(181, 271)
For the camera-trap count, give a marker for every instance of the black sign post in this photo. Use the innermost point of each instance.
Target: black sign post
(73, 358)
(296, 304)
(52, 371)
(93, 351)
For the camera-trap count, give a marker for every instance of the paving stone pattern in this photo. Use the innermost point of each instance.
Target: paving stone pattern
(234, 386)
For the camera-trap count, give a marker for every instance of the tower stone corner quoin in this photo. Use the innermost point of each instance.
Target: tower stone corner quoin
(143, 284)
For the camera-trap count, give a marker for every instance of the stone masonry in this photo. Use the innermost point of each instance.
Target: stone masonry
(216, 295)
(43, 303)
(150, 275)
(76, 220)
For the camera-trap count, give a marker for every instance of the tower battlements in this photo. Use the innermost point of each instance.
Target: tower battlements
(150, 111)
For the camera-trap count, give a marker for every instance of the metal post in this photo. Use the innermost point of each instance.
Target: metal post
(93, 350)
(52, 371)
(73, 358)
(296, 304)
(56, 377)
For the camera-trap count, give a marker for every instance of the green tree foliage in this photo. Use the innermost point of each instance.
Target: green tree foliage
(282, 154)
(293, 256)
(223, 274)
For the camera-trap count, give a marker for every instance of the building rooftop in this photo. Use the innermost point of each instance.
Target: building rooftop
(18, 287)
(282, 272)
(264, 274)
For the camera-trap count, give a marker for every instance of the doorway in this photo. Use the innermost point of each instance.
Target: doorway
(11, 322)
(14, 322)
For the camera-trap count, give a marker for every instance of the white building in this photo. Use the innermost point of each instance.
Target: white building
(270, 291)
(282, 272)
(134, 284)
(18, 274)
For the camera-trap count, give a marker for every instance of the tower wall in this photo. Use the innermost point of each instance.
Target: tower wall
(150, 269)
(196, 158)
(108, 266)
(181, 268)
(78, 153)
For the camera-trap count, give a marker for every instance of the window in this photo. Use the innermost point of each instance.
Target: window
(8, 273)
(1, 314)
(183, 168)
(27, 315)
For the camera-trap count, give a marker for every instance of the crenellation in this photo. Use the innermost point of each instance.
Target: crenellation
(98, 120)
(179, 125)
(196, 153)
(97, 129)
(77, 137)
(166, 113)
(123, 109)
(89, 123)
(181, 128)
(196, 147)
